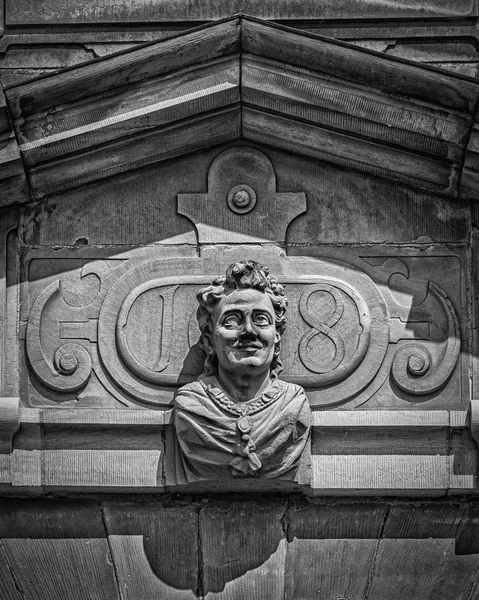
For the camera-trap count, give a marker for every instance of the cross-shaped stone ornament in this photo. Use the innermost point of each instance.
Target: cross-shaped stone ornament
(242, 204)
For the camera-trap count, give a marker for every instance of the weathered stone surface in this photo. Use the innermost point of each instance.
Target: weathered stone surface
(448, 40)
(470, 178)
(401, 451)
(432, 531)
(119, 148)
(57, 549)
(43, 568)
(398, 573)
(467, 540)
(424, 520)
(8, 303)
(27, 12)
(8, 585)
(140, 208)
(243, 550)
(353, 111)
(111, 456)
(336, 520)
(155, 549)
(13, 185)
(366, 210)
(457, 575)
(381, 330)
(232, 549)
(435, 52)
(9, 422)
(60, 519)
(328, 568)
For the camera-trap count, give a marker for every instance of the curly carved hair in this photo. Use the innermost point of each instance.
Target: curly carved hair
(241, 275)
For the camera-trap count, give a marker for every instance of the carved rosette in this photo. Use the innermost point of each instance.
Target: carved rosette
(140, 333)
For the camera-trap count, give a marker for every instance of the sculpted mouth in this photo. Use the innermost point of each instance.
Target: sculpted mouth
(249, 346)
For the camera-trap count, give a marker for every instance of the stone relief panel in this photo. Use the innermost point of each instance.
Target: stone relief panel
(382, 330)
(367, 326)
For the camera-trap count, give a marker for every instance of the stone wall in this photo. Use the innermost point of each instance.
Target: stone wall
(231, 548)
(105, 186)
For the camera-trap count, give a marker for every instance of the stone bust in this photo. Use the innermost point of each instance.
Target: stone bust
(238, 419)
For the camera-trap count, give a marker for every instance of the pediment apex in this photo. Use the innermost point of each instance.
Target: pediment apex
(244, 78)
(246, 34)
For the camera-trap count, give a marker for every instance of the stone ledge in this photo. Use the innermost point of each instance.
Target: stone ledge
(340, 418)
(353, 453)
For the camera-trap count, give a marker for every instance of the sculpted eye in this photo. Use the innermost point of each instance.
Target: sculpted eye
(231, 321)
(262, 320)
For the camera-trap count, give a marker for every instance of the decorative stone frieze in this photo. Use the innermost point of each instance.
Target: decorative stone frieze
(345, 171)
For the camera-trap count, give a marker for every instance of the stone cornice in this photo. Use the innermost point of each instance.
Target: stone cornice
(31, 13)
(242, 78)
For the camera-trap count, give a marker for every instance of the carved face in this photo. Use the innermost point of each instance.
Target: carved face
(244, 334)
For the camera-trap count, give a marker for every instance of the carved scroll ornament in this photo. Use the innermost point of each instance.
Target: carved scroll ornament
(69, 368)
(414, 369)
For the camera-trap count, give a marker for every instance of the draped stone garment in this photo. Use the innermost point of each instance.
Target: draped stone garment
(212, 445)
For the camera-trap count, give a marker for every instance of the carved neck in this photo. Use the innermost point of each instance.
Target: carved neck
(242, 387)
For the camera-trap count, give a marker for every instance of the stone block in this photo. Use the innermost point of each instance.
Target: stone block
(8, 586)
(57, 549)
(417, 568)
(155, 548)
(243, 549)
(326, 569)
(424, 520)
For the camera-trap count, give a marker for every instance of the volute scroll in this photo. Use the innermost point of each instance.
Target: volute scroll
(415, 370)
(71, 366)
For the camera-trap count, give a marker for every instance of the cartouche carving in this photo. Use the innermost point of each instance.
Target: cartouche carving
(138, 333)
(238, 419)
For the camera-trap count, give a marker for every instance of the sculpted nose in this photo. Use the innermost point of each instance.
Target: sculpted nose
(248, 326)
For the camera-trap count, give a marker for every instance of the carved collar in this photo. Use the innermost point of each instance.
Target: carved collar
(214, 391)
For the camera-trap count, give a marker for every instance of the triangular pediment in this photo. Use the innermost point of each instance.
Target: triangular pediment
(242, 78)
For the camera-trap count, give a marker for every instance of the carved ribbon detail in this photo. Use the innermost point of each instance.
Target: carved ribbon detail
(71, 365)
(414, 370)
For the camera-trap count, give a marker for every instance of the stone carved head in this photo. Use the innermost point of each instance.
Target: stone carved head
(240, 276)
